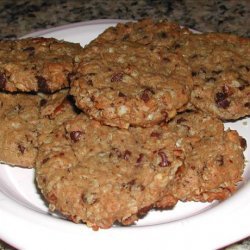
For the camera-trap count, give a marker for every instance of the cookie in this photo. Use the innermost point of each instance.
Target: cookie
(220, 66)
(19, 114)
(124, 83)
(23, 119)
(147, 32)
(37, 64)
(102, 175)
(214, 160)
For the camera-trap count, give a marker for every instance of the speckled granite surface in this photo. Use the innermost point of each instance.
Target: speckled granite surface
(21, 17)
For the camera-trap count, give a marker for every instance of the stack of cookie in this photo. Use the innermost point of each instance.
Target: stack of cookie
(146, 130)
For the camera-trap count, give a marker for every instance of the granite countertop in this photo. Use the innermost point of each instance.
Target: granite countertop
(21, 17)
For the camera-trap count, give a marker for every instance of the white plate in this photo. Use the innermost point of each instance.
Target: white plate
(26, 223)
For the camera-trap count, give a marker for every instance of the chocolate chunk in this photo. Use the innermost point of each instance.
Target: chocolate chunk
(75, 135)
(117, 77)
(42, 84)
(2, 81)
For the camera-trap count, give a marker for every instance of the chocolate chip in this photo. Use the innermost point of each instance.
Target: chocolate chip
(247, 105)
(43, 102)
(210, 79)
(220, 160)
(163, 34)
(116, 152)
(117, 77)
(2, 81)
(164, 159)
(120, 94)
(180, 120)
(70, 77)
(243, 143)
(176, 46)
(30, 50)
(139, 159)
(21, 148)
(155, 134)
(125, 37)
(194, 73)
(89, 82)
(42, 84)
(75, 135)
(221, 101)
(146, 93)
(45, 160)
(216, 72)
(126, 155)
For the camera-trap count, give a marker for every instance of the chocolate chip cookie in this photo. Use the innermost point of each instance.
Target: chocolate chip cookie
(124, 83)
(24, 118)
(19, 116)
(220, 66)
(37, 64)
(214, 160)
(102, 175)
(148, 32)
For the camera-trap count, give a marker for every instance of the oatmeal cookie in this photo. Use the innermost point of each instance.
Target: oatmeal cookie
(220, 66)
(146, 32)
(214, 160)
(36, 64)
(19, 114)
(24, 118)
(124, 83)
(102, 175)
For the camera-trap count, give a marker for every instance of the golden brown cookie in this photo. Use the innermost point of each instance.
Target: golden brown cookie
(124, 83)
(220, 66)
(24, 118)
(214, 160)
(36, 64)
